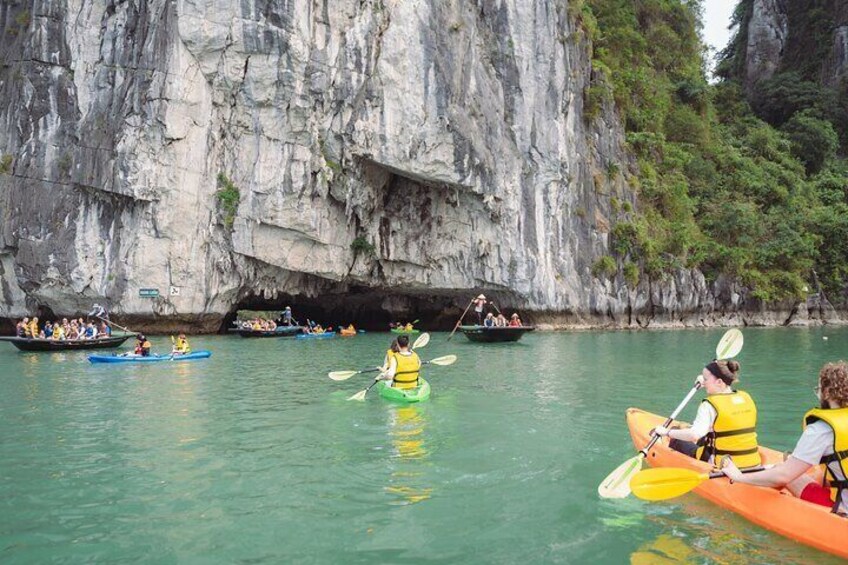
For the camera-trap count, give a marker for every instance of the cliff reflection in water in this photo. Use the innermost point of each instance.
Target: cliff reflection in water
(406, 429)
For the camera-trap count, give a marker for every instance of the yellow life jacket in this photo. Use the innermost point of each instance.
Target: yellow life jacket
(182, 346)
(734, 430)
(406, 372)
(836, 464)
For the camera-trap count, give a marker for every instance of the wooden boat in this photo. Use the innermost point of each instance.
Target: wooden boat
(495, 334)
(37, 344)
(281, 331)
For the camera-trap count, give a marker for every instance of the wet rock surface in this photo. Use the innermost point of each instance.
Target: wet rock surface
(228, 154)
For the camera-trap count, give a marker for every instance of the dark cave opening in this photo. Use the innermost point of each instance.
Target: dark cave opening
(370, 309)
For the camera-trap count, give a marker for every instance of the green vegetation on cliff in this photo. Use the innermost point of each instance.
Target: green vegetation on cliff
(721, 187)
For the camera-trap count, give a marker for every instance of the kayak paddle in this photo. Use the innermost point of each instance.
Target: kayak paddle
(459, 322)
(442, 361)
(422, 340)
(617, 483)
(662, 483)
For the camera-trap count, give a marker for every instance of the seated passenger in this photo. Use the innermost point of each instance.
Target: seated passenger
(34, 331)
(90, 331)
(500, 321)
(725, 423)
(104, 331)
(514, 321)
(142, 346)
(58, 332)
(489, 322)
(22, 327)
(48, 331)
(823, 442)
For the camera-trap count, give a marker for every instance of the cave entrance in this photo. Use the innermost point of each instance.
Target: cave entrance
(367, 308)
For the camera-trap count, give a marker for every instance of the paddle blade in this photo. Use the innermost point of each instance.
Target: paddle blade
(341, 375)
(446, 360)
(617, 483)
(422, 340)
(360, 396)
(730, 344)
(665, 482)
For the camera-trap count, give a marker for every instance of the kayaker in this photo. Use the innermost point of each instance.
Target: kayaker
(181, 346)
(514, 321)
(404, 366)
(824, 441)
(725, 423)
(393, 348)
(479, 304)
(142, 346)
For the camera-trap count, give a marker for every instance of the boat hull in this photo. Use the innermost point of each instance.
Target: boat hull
(29, 344)
(194, 356)
(281, 331)
(483, 334)
(772, 509)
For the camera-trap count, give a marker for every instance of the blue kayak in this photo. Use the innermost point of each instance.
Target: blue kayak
(149, 359)
(324, 335)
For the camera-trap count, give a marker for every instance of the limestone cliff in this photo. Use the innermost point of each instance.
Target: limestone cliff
(383, 155)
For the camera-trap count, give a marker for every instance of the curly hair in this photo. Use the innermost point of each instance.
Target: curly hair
(833, 380)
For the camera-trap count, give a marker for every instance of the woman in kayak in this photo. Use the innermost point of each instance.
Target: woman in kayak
(725, 424)
(181, 346)
(824, 441)
(403, 365)
(142, 346)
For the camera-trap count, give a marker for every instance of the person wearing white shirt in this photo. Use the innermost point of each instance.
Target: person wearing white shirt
(823, 441)
(725, 424)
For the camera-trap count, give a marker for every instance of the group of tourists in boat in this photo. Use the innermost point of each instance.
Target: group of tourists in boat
(490, 320)
(724, 434)
(75, 329)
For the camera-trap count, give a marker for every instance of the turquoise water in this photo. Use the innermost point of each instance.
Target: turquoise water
(256, 456)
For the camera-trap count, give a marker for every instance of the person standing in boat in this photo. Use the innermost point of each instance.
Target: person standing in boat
(823, 442)
(287, 317)
(404, 366)
(98, 311)
(479, 305)
(725, 424)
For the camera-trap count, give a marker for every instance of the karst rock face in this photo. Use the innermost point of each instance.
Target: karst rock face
(402, 148)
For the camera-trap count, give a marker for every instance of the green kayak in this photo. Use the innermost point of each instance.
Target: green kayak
(402, 331)
(408, 395)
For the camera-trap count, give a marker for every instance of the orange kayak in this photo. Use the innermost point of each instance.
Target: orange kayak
(772, 509)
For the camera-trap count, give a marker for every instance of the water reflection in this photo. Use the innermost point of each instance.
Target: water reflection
(666, 549)
(406, 430)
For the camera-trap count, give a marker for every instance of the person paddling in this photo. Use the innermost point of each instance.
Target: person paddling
(479, 304)
(181, 346)
(404, 365)
(824, 441)
(725, 423)
(142, 346)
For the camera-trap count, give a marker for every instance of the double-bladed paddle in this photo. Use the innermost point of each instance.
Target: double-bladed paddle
(443, 361)
(422, 340)
(617, 483)
(662, 483)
